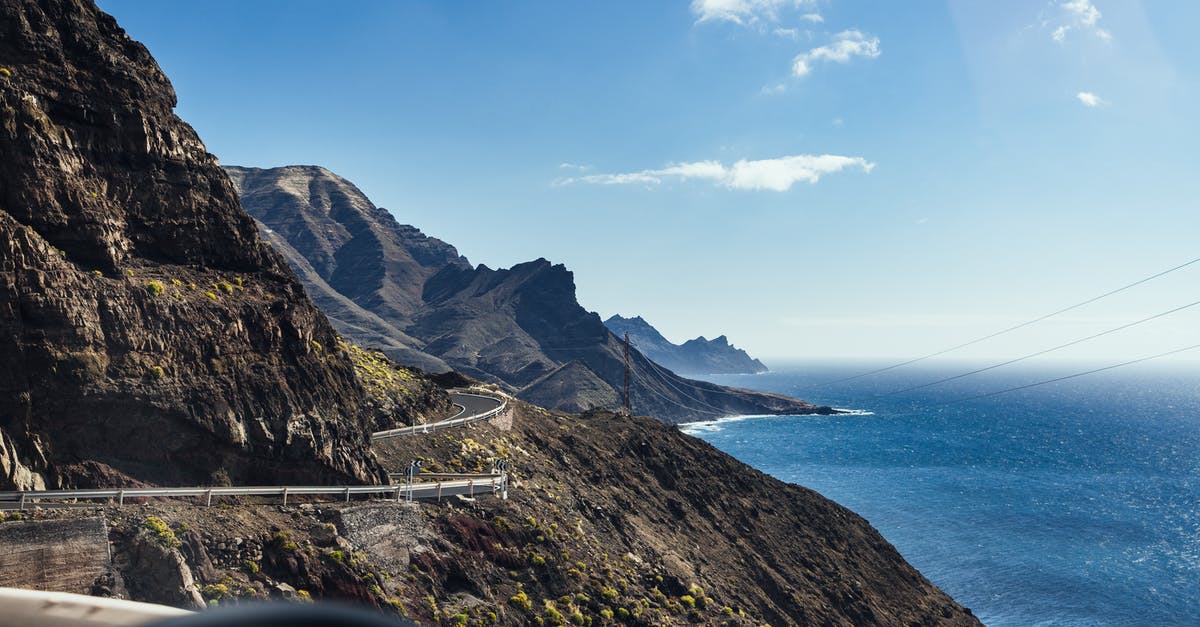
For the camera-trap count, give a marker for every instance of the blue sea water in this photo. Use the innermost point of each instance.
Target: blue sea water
(1074, 503)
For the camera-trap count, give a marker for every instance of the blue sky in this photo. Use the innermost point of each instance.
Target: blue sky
(812, 178)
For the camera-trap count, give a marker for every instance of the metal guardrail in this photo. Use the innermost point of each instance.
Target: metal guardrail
(493, 483)
(445, 424)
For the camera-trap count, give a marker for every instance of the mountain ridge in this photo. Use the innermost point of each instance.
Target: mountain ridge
(514, 327)
(695, 356)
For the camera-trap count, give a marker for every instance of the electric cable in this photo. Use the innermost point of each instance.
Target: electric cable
(1014, 328)
(1044, 351)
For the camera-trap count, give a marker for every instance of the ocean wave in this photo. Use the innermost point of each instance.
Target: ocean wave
(712, 426)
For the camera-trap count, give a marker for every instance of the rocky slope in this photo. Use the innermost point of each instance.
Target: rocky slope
(611, 520)
(137, 301)
(388, 286)
(696, 356)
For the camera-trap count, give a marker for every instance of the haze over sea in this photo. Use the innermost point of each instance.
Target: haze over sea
(1073, 503)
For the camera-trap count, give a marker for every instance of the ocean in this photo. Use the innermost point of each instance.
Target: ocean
(1073, 503)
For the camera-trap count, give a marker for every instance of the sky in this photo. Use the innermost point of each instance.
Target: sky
(811, 178)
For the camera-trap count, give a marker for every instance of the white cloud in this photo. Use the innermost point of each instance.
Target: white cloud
(574, 166)
(1090, 100)
(773, 90)
(1081, 15)
(744, 12)
(778, 175)
(846, 45)
(787, 33)
(1083, 10)
(815, 18)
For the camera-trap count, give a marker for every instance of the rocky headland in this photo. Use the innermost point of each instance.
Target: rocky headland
(696, 356)
(388, 286)
(148, 335)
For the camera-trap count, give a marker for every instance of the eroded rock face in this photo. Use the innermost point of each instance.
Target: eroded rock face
(143, 323)
(389, 286)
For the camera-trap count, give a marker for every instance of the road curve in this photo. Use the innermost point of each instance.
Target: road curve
(474, 407)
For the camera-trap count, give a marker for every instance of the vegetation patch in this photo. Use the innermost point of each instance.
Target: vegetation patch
(161, 532)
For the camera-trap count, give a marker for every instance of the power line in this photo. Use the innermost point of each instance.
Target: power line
(1072, 376)
(1014, 328)
(663, 377)
(1044, 351)
(675, 402)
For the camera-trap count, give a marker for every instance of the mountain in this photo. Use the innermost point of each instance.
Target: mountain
(146, 331)
(698, 356)
(391, 287)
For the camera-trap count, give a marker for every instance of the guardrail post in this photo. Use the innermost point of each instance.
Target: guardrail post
(121, 497)
(439, 493)
(347, 494)
(208, 501)
(398, 493)
(471, 487)
(285, 497)
(21, 507)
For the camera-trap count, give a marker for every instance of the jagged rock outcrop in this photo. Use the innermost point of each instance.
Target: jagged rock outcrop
(695, 356)
(144, 325)
(388, 286)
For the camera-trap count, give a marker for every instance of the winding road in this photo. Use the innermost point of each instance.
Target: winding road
(472, 408)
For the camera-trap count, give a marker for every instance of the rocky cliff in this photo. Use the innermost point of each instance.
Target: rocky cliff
(696, 356)
(389, 286)
(138, 303)
(611, 520)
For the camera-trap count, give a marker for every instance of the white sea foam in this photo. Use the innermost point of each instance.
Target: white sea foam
(712, 426)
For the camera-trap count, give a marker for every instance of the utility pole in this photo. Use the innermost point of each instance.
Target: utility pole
(628, 404)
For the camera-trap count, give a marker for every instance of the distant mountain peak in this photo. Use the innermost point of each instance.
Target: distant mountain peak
(697, 356)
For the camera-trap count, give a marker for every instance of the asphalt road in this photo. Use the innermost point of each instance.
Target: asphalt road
(473, 405)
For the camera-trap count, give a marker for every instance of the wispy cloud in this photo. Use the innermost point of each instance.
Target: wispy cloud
(777, 175)
(845, 46)
(1080, 15)
(1090, 100)
(815, 18)
(744, 12)
(574, 166)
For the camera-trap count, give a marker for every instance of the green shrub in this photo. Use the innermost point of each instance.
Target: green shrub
(250, 566)
(536, 560)
(609, 594)
(688, 600)
(459, 620)
(210, 295)
(552, 615)
(5, 72)
(161, 531)
(224, 286)
(337, 556)
(215, 591)
(156, 372)
(728, 611)
(155, 288)
(176, 282)
(97, 273)
(239, 282)
(576, 617)
(606, 613)
(304, 596)
(520, 601)
(622, 613)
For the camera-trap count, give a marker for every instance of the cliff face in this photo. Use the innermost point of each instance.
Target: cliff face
(388, 286)
(610, 520)
(144, 327)
(696, 356)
